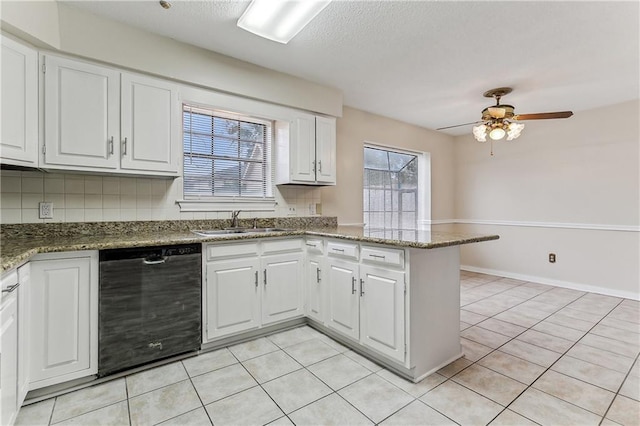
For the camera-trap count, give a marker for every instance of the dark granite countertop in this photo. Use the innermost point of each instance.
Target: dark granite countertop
(20, 242)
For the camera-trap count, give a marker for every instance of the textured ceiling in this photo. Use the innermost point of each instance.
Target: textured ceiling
(428, 62)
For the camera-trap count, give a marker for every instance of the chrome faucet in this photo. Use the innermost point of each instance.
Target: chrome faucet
(234, 218)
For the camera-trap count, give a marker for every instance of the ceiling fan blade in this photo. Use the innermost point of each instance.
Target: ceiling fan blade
(460, 125)
(543, 115)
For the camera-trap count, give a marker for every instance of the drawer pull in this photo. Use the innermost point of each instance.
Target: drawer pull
(338, 249)
(256, 279)
(353, 285)
(265, 277)
(11, 288)
(377, 256)
(311, 245)
(318, 279)
(361, 287)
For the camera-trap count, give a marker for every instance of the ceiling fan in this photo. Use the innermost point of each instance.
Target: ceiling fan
(500, 120)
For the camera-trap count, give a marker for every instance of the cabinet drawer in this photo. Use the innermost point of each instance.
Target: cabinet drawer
(315, 246)
(217, 251)
(342, 249)
(383, 256)
(280, 246)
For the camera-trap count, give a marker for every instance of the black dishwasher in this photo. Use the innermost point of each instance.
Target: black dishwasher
(149, 304)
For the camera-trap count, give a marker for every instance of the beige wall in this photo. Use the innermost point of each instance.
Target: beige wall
(357, 127)
(83, 34)
(570, 187)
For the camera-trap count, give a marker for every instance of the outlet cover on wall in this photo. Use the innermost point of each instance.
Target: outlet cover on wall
(46, 210)
(291, 211)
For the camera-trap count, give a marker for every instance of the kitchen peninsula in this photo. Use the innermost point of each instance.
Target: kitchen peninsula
(392, 296)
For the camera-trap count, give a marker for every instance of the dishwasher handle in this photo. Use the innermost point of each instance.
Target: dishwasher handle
(154, 260)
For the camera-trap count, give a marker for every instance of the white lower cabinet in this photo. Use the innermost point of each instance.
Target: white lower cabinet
(315, 287)
(366, 299)
(343, 299)
(64, 318)
(24, 334)
(232, 296)
(282, 291)
(9, 349)
(250, 285)
(382, 300)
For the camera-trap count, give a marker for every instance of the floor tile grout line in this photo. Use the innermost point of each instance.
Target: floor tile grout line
(126, 392)
(53, 408)
(550, 367)
(617, 393)
(197, 393)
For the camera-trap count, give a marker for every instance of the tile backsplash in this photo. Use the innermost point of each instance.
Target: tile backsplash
(93, 198)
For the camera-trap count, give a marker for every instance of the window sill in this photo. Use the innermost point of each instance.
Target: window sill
(227, 205)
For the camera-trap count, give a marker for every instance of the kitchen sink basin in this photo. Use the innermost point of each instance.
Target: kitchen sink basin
(232, 231)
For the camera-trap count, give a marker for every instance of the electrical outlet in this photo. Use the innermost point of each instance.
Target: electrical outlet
(552, 258)
(292, 211)
(46, 210)
(312, 209)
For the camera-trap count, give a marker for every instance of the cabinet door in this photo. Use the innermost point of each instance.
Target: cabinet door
(232, 296)
(81, 115)
(24, 304)
(342, 312)
(150, 112)
(9, 359)
(282, 293)
(326, 149)
(303, 149)
(19, 143)
(382, 311)
(315, 288)
(61, 321)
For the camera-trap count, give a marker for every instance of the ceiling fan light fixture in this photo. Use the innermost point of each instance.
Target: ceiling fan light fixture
(480, 132)
(513, 130)
(497, 133)
(280, 20)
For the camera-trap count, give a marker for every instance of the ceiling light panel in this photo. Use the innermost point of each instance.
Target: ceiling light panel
(280, 20)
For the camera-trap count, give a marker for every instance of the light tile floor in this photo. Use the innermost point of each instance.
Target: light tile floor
(535, 354)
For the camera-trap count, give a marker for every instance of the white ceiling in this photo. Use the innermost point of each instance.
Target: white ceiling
(428, 62)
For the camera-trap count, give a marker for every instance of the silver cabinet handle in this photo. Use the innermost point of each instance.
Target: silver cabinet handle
(256, 279)
(11, 288)
(361, 287)
(124, 147)
(265, 277)
(353, 285)
(378, 256)
(337, 249)
(314, 166)
(318, 279)
(310, 245)
(111, 145)
(320, 166)
(154, 262)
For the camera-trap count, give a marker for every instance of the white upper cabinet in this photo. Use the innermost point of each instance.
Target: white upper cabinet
(99, 119)
(150, 124)
(326, 150)
(19, 140)
(81, 115)
(309, 155)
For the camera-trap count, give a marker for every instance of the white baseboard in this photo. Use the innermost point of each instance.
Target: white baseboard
(558, 283)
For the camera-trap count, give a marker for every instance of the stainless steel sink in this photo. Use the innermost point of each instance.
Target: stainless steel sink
(232, 231)
(249, 230)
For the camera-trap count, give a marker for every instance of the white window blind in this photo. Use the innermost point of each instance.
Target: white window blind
(226, 155)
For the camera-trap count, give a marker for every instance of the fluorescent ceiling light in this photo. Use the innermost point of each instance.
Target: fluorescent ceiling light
(280, 20)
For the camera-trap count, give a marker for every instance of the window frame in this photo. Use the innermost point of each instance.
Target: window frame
(423, 216)
(210, 100)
